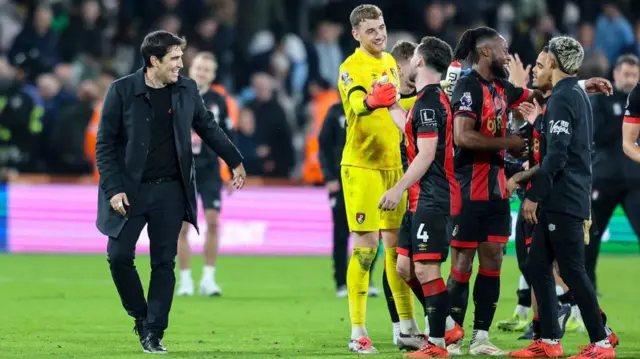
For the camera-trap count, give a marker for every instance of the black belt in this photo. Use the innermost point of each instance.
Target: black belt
(161, 179)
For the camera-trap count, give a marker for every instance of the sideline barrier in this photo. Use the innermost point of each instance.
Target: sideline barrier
(60, 218)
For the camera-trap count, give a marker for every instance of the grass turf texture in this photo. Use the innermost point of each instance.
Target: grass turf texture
(272, 307)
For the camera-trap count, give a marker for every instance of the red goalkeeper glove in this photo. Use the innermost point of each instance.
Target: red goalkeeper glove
(382, 95)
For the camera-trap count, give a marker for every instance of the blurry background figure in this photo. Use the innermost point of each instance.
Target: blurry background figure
(615, 176)
(209, 183)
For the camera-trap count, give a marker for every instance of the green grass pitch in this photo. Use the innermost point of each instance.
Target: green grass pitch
(55, 306)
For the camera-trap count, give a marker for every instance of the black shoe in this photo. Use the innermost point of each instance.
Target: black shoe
(139, 329)
(152, 343)
(528, 335)
(564, 312)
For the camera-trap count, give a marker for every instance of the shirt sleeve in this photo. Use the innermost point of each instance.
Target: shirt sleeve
(515, 95)
(632, 111)
(467, 98)
(354, 88)
(426, 114)
(328, 143)
(558, 137)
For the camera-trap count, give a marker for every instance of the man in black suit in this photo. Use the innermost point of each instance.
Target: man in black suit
(144, 157)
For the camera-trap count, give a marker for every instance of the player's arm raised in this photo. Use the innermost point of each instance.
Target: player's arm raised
(362, 100)
(427, 143)
(467, 106)
(399, 115)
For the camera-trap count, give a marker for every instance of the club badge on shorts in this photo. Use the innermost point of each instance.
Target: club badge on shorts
(360, 218)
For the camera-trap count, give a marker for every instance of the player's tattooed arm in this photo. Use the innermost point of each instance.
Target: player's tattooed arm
(466, 136)
(526, 176)
(630, 133)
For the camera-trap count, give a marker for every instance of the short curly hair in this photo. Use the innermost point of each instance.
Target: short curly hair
(568, 54)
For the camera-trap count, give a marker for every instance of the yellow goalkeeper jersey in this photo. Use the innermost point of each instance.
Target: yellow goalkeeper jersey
(372, 137)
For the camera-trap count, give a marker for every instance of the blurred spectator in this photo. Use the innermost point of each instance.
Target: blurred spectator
(272, 129)
(85, 33)
(36, 47)
(594, 63)
(247, 143)
(435, 23)
(65, 139)
(614, 34)
(327, 54)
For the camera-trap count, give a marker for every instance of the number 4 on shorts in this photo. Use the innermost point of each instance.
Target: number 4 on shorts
(422, 233)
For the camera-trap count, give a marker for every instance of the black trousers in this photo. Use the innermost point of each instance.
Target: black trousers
(340, 238)
(607, 194)
(161, 207)
(560, 237)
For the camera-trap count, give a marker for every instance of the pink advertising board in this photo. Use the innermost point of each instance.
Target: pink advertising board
(260, 221)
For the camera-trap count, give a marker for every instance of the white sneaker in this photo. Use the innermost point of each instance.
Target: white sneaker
(362, 346)
(455, 348)
(185, 288)
(485, 347)
(373, 291)
(209, 288)
(396, 332)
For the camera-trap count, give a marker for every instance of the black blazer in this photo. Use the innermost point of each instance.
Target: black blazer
(123, 143)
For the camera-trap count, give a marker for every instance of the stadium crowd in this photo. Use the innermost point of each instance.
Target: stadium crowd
(277, 61)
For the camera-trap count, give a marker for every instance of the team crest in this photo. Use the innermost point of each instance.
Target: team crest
(360, 218)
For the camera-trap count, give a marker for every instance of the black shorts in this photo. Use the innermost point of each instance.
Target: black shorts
(404, 237)
(209, 185)
(481, 222)
(427, 236)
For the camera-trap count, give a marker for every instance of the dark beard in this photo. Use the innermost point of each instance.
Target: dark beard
(498, 70)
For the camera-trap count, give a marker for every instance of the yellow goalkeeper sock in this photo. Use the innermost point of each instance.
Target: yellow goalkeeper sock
(399, 288)
(358, 283)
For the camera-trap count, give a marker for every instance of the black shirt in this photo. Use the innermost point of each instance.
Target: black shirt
(564, 181)
(331, 140)
(161, 159)
(610, 162)
(438, 190)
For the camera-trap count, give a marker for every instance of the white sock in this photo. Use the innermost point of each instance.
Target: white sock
(479, 335)
(523, 283)
(559, 290)
(522, 311)
(359, 332)
(209, 272)
(604, 343)
(409, 326)
(439, 342)
(426, 325)
(396, 327)
(449, 324)
(185, 274)
(551, 341)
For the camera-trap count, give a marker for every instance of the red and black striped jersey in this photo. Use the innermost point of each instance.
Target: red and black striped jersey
(481, 173)
(535, 139)
(632, 111)
(438, 190)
